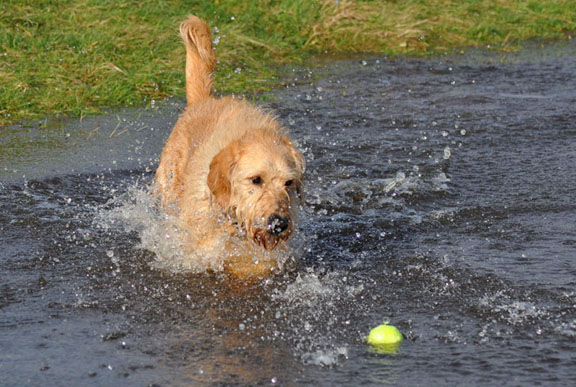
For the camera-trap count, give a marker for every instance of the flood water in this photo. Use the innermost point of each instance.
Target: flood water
(440, 197)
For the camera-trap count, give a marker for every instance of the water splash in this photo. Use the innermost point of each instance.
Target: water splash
(138, 211)
(314, 307)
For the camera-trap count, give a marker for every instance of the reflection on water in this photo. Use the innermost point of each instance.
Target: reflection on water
(439, 198)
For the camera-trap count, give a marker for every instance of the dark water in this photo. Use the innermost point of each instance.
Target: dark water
(440, 197)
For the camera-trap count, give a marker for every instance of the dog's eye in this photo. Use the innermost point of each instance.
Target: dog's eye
(289, 183)
(256, 180)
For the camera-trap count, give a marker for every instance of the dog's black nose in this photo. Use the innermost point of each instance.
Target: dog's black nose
(278, 224)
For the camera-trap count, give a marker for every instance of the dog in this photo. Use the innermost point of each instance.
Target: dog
(228, 173)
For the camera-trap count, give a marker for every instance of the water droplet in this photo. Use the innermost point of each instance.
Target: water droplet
(447, 153)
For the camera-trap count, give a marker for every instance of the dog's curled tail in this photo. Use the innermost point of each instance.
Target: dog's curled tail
(200, 59)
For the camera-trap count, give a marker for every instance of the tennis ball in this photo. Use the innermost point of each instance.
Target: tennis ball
(384, 335)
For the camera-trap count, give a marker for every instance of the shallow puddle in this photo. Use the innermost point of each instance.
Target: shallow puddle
(439, 197)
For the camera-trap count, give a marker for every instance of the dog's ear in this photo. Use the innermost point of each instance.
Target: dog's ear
(300, 164)
(297, 157)
(221, 168)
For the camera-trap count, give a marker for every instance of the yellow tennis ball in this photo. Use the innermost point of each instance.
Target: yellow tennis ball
(384, 335)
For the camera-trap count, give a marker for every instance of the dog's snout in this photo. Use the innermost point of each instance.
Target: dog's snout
(278, 224)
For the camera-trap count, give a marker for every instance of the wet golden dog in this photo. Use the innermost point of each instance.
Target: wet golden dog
(228, 172)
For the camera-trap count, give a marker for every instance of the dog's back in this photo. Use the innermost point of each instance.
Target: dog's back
(200, 63)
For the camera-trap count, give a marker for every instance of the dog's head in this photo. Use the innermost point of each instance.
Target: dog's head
(259, 180)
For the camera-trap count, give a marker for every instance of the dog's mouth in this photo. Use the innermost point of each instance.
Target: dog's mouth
(269, 241)
(278, 229)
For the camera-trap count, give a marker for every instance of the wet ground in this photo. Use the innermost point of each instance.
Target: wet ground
(440, 197)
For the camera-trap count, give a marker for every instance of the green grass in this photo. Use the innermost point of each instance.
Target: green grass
(76, 57)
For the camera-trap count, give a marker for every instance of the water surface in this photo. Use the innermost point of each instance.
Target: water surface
(440, 197)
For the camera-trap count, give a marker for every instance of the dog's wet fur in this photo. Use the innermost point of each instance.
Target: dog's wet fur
(228, 171)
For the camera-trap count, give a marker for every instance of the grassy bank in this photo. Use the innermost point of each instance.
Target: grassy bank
(75, 57)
